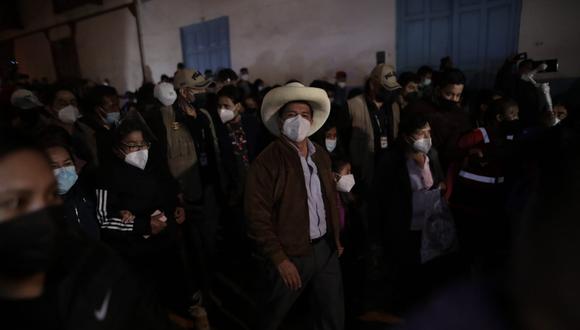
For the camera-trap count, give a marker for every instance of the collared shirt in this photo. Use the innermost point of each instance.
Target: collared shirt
(316, 210)
(423, 197)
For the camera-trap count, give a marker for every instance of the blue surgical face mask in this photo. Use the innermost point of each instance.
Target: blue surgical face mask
(66, 177)
(113, 118)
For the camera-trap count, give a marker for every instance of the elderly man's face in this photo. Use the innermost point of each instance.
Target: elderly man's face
(294, 109)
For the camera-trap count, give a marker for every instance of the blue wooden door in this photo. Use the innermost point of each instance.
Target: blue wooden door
(206, 45)
(477, 34)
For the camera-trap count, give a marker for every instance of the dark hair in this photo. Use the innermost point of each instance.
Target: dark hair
(322, 84)
(526, 62)
(244, 70)
(224, 75)
(145, 95)
(96, 97)
(283, 108)
(451, 77)
(338, 164)
(231, 92)
(505, 104)
(412, 122)
(180, 66)
(12, 141)
(424, 70)
(406, 77)
(444, 61)
(51, 95)
(56, 136)
(131, 123)
(340, 74)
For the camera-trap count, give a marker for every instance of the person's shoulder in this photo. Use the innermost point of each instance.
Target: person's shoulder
(321, 152)
(273, 150)
(357, 101)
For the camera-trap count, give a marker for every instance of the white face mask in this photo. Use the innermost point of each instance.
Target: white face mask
(341, 84)
(296, 128)
(137, 158)
(330, 144)
(165, 93)
(69, 114)
(422, 145)
(427, 82)
(345, 183)
(226, 115)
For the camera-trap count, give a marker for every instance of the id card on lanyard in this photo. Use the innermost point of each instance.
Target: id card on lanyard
(384, 140)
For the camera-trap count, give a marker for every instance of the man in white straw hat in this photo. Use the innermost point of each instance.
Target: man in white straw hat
(291, 208)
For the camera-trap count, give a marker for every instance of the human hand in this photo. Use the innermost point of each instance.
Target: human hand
(290, 275)
(179, 215)
(158, 222)
(126, 216)
(340, 250)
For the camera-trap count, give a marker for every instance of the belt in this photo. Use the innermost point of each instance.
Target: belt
(481, 178)
(314, 241)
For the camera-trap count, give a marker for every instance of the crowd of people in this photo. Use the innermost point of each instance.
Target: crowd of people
(119, 211)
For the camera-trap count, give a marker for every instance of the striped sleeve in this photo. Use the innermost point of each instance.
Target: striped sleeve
(107, 221)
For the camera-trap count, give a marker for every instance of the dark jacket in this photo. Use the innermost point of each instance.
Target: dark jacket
(80, 210)
(89, 287)
(92, 141)
(392, 207)
(124, 187)
(276, 201)
(447, 126)
(235, 168)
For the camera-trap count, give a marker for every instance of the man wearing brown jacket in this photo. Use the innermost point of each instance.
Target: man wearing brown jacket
(291, 209)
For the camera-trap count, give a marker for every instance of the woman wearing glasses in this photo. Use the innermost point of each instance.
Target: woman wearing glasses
(139, 211)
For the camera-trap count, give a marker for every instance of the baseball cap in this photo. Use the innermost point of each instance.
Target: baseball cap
(386, 75)
(25, 99)
(190, 78)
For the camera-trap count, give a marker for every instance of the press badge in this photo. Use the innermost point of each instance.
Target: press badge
(384, 142)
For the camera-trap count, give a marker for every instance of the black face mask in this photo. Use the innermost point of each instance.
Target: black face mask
(447, 105)
(200, 101)
(385, 96)
(412, 97)
(27, 242)
(510, 127)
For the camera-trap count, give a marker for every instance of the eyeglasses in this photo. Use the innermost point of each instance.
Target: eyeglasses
(135, 146)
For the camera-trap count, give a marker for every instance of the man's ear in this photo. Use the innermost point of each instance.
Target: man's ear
(182, 91)
(238, 108)
(498, 118)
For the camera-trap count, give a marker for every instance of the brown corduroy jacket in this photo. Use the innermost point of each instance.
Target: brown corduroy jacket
(276, 205)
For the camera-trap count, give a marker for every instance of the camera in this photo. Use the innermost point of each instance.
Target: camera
(552, 65)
